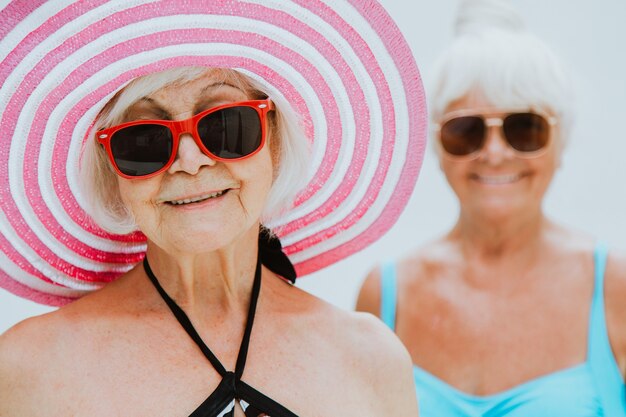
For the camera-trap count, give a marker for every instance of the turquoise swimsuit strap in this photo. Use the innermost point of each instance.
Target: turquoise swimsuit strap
(608, 379)
(388, 294)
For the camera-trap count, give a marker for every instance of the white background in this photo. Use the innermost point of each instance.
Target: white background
(588, 193)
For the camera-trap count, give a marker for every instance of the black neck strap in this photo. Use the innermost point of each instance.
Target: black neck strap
(183, 319)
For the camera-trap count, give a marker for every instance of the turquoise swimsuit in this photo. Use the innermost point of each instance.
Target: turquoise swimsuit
(593, 388)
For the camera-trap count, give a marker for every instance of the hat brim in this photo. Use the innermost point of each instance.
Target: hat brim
(347, 70)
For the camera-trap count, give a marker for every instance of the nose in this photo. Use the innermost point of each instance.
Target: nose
(189, 157)
(496, 149)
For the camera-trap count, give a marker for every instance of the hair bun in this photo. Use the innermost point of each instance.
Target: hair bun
(477, 16)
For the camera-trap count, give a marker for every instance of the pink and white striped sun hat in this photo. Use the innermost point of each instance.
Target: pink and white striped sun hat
(342, 64)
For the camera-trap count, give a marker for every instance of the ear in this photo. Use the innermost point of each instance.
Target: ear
(560, 145)
(438, 152)
(558, 158)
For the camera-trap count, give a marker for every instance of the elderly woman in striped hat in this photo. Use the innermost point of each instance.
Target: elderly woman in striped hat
(194, 159)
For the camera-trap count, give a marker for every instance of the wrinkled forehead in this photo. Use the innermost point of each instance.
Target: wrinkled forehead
(147, 85)
(497, 93)
(478, 100)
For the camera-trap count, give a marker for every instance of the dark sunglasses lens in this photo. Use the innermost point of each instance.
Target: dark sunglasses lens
(231, 133)
(463, 135)
(141, 149)
(526, 132)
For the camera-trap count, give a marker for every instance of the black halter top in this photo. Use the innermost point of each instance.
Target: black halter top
(221, 403)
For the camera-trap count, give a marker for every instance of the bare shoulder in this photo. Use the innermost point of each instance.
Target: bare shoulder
(569, 240)
(37, 340)
(615, 274)
(363, 358)
(373, 360)
(373, 343)
(578, 245)
(615, 294)
(356, 337)
(39, 357)
(26, 351)
(22, 345)
(382, 362)
(423, 263)
(615, 281)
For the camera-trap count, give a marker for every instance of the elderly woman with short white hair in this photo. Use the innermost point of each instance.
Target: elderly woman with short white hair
(200, 151)
(509, 313)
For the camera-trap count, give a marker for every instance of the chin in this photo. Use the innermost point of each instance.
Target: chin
(206, 238)
(502, 208)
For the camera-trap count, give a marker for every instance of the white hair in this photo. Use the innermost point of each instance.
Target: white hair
(288, 145)
(495, 55)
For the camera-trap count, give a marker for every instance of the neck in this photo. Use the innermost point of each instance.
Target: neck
(500, 238)
(221, 278)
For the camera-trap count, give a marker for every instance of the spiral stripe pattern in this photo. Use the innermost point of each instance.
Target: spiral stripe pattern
(342, 65)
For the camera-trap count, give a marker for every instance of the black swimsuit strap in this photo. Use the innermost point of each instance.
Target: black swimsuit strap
(183, 319)
(245, 341)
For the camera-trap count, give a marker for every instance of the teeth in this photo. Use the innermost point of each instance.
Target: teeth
(500, 179)
(197, 199)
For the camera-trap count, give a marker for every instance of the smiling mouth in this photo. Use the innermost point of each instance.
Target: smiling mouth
(497, 179)
(197, 199)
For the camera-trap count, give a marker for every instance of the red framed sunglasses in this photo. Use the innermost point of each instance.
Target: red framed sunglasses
(145, 148)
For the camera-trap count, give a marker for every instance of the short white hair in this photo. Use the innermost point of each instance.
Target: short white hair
(495, 55)
(288, 145)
